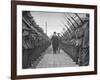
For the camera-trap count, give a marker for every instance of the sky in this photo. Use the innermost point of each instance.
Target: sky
(54, 21)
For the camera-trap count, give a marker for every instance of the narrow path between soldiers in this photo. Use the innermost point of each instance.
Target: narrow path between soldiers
(50, 60)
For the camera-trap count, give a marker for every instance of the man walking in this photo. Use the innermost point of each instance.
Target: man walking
(54, 40)
(59, 40)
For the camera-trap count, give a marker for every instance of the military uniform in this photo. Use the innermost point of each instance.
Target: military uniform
(79, 38)
(83, 44)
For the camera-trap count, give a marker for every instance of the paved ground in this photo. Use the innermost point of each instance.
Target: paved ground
(50, 60)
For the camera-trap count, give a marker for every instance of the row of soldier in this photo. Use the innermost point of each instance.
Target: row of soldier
(80, 41)
(34, 40)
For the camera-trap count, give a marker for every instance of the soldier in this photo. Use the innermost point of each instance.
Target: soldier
(78, 44)
(85, 46)
(54, 40)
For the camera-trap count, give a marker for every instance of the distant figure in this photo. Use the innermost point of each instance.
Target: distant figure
(54, 40)
(59, 40)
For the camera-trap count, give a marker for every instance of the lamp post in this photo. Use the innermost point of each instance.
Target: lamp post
(46, 27)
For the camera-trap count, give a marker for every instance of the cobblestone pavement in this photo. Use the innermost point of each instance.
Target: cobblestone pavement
(51, 60)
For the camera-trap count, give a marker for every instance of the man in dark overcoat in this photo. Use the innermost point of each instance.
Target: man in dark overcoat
(54, 40)
(59, 41)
